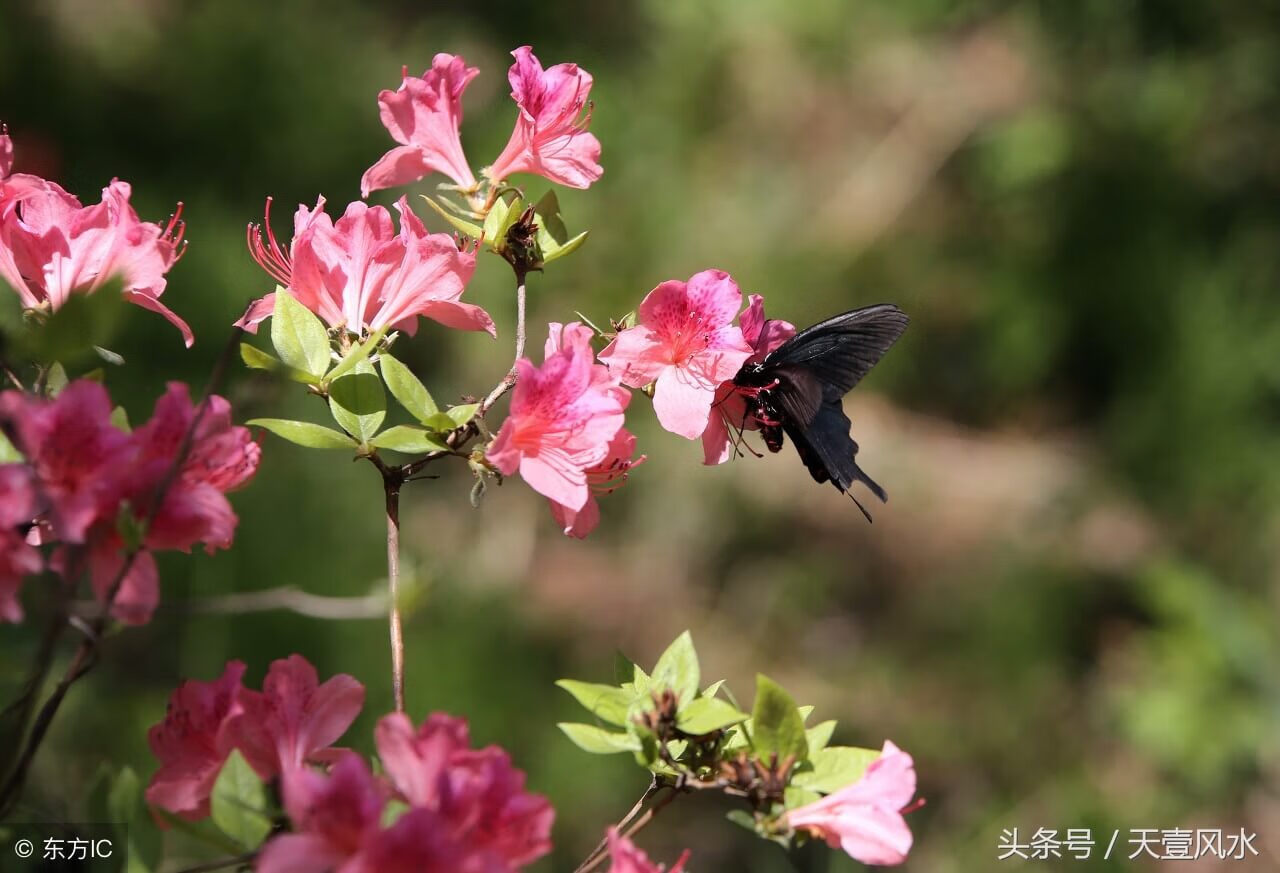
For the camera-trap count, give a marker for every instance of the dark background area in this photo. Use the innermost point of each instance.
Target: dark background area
(1067, 612)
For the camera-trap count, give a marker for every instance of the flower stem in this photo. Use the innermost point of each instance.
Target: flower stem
(509, 380)
(600, 852)
(392, 479)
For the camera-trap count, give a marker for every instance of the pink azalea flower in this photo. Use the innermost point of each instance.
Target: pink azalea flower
(685, 341)
(604, 478)
(424, 116)
(193, 742)
(421, 842)
(563, 417)
(294, 716)
(624, 857)
(52, 247)
(6, 152)
(476, 795)
(550, 138)
(729, 411)
(334, 817)
(359, 273)
(865, 818)
(18, 558)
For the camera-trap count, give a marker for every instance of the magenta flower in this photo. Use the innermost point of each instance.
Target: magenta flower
(360, 274)
(294, 716)
(624, 857)
(685, 341)
(424, 115)
(550, 138)
(865, 818)
(604, 478)
(193, 742)
(563, 417)
(334, 818)
(729, 411)
(18, 558)
(475, 796)
(52, 247)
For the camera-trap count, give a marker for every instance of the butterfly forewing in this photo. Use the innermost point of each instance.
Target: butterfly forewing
(843, 349)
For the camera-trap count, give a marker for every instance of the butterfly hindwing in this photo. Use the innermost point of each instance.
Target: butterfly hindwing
(829, 452)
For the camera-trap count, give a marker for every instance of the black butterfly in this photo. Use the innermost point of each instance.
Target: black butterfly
(798, 387)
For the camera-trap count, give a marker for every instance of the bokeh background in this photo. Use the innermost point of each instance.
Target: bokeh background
(1067, 612)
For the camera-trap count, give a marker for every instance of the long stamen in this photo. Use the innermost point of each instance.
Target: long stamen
(267, 252)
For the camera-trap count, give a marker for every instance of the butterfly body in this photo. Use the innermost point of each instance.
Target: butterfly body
(796, 390)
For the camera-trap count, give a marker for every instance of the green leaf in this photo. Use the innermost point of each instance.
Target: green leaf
(567, 249)
(9, 453)
(606, 702)
(120, 419)
(299, 336)
(407, 389)
(712, 689)
(392, 811)
(256, 359)
(304, 433)
(706, 714)
(357, 355)
(835, 767)
(238, 803)
(777, 728)
(83, 322)
(641, 680)
(549, 220)
(55, 379)
(124, 798)
(794, 797)
(463, 413)
(624, 670)
(819, 735)
(358, 402)
(742, 818)
(408, 439)
(115, 359)
(599, 741)
(125, 807)
(440, 421)
(472, 230)
(499, 220)
(677, 669)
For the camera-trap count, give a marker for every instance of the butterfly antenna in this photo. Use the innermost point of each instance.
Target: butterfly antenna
(858, 503)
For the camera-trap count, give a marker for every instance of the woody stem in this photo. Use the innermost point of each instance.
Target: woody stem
(392, 479)
(509, 380)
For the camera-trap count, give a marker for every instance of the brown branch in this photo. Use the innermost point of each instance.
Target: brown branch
(601, 850)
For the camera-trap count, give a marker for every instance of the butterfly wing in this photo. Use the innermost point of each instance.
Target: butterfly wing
(843, 349)
(829, 452)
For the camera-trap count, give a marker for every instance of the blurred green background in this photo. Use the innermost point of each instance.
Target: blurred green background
(1067, 613)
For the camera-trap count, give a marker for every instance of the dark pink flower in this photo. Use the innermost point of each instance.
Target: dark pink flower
(193, 742)
(624, 857)
(604, 478)
(6, 152)
(729, 411)
(564, 414)
(294, 716)
(52, 247)
(334, 818)
(477, 797)
(550, 138)
(18, 558)
(424, 115)
(686, 342)
(865, 818)
(360, 274)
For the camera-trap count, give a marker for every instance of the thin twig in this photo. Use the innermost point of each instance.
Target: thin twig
(86, 654)
(392, 479)
(221, 863)
(509, 380)
(601, 849)
(287, 597)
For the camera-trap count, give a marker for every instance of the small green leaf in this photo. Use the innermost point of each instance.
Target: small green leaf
(460, 415)
(834, 768)
(440, 421)
(407, 389)
(299, 336)
(55, 380)
(795, 797)
(599, 741)
(358, 402)
(120, 419)
(9, 453)
(124, 798)
(357, 355)
(256, 359)
(624, 671)
(549, 220)
(472, 230)
(238, 803)
(641, 681)
(567, 249)
(499, 220)
(706, 714)
(819, 735)
(304, 433)
(392, 811)
(712, 689)
(777, 728)
(115, 359)
(742, 818)
(408, 439)
(83, 322)
(677, 669)
(606, 702)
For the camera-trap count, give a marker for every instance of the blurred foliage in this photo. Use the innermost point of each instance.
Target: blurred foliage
(1068, 611)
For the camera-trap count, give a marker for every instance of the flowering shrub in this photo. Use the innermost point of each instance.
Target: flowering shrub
(87, 498)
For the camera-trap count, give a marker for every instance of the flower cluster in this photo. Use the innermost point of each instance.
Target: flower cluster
(550, 138)
(85, 486)
(52, 247)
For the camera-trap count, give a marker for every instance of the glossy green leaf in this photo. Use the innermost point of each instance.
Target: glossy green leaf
(407, 389)
(408, 439)
(606, 702)
(706, 714)
(835, 767)
(299, 337)
(677, 669)
(777, 726)
(463, 413)
(472, 230)
(304, 433)
(499, 220)
(357, 355)
(439, 421)
(599, 741)
(819, 735)
(358, 402)
(256, 359)
(567, 249)
(238, 804)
